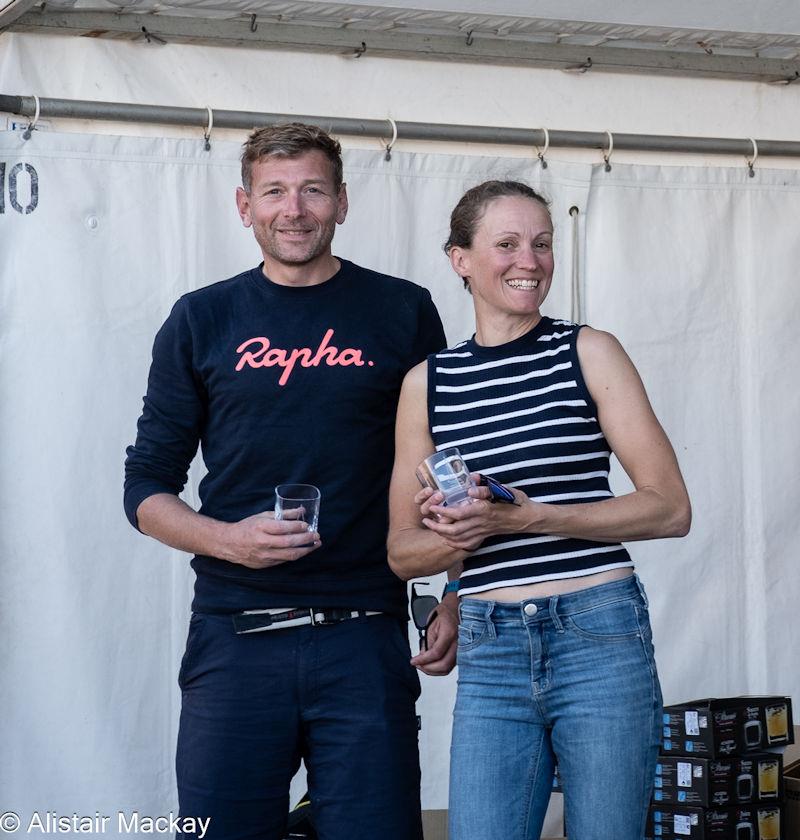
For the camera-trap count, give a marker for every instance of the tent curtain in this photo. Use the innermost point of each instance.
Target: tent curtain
(694, 270)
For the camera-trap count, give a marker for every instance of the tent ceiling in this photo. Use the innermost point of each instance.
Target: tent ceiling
(693, 38)
(11, 9)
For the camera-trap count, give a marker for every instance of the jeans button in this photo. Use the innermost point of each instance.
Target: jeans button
(530, 609)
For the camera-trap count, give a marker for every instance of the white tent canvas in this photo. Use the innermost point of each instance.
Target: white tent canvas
(689, 261)
(690, 268)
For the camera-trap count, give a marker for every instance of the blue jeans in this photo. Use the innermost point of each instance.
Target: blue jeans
(341, 697)
(570, 679)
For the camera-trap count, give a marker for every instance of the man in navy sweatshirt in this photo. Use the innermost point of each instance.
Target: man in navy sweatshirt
(297, 645)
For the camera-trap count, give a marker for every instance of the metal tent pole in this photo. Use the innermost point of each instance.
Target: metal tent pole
(171, 115)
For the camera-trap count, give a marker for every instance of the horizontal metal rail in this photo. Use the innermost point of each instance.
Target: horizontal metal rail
(531, 137)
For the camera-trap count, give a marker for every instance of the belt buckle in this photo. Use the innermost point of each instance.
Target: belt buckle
(324, 617)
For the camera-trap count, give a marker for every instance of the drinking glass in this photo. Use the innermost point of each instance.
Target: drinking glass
(299, 502)
(447, 472)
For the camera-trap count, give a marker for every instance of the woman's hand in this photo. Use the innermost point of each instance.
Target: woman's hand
(427, 498)
(466, 526)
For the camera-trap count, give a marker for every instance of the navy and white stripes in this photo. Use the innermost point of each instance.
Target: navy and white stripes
(522, 414)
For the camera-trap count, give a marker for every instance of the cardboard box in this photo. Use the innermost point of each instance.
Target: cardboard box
(668, 822)
(719, 782)
(791, 779)
(678, 822)
(717, 728)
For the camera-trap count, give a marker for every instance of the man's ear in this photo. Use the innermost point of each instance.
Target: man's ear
(343, 205)
(243, 206)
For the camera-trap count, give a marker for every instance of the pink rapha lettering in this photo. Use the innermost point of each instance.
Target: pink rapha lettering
(305, 352)
(251, 358)
(324, 350)
(276, 356)
(265, 356)
(349, 356)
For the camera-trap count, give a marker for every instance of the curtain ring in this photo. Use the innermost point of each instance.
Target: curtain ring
(752, 163)
(543, 152)
(607, 154)
(32, 124)
(207, 132)
(388, 146)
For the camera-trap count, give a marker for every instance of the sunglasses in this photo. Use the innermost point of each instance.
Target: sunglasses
(423, 609)
(500, 493)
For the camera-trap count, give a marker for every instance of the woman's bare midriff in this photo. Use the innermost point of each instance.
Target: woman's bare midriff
(548, 588)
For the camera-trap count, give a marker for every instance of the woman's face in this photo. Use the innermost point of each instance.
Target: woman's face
(509, 265)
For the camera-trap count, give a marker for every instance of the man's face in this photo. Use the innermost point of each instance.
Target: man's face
(293, 207)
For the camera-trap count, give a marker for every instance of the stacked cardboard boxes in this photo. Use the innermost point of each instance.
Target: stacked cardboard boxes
(719, 775)
(791, 784)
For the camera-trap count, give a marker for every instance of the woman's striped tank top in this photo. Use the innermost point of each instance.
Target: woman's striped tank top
(521, 413)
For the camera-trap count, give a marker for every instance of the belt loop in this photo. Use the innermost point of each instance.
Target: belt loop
(490, 605)
(553, 606)
(640, 587)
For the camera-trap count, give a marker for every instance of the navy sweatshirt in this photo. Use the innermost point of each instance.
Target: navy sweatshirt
(286, 385)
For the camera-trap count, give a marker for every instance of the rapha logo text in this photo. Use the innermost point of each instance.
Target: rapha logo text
(259, 352)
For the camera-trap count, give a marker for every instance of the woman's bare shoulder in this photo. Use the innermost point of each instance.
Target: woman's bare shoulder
(416, 380)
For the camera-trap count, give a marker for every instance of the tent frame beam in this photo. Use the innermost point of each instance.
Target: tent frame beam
(247, 31)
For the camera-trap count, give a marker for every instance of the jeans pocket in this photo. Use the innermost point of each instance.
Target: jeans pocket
(472, 632)
(617, 621)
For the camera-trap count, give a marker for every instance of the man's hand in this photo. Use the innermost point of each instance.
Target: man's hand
(440, 656)
(261, 541)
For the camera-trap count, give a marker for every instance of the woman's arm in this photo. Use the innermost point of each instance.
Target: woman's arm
(659, 505)
(414, 551)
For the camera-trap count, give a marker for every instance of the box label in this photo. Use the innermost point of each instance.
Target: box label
(684, 774)
(692, 723)
(682, 824)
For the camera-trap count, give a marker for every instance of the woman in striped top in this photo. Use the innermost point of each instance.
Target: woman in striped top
(555, 653)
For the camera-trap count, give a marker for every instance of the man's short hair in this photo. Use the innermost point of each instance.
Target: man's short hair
(289, 140)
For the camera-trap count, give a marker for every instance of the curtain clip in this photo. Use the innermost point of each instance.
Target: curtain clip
(28, 133)
(209, 126)
(607, 154)
(752, 163)
(388, 146)
(543, 152)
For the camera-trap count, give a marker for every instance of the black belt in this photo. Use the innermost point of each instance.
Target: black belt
(256, 621)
